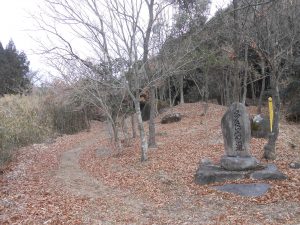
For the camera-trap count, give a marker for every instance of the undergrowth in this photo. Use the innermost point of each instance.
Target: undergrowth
(23, 121)
(32, 119)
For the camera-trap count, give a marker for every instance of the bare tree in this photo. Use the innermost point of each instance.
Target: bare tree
(279, 25)
(271, 30)
(107, 32)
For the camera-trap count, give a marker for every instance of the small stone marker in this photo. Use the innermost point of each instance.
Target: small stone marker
(295, 165)
(260, 126)
(248, 190)
(171, 118)
(236, 131)
(100, 152)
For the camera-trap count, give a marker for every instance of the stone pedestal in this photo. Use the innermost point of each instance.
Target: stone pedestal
(238, 163)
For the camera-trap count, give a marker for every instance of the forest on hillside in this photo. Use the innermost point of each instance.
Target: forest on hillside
(119, 59)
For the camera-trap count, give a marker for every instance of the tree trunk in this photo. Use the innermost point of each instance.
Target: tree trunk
(206, 94)
(262, 87)
(144, 144)
(227, 84)
(170, 92)
(244, 89)
(223, 87)
(245, 76)
(86, 119)
(133, 126)
(116, 135)
(270, 147)
(152, 143)
(222, 96)
(125, 131)
(161, 93)
(236, 83)
(149, 74)
(252, 90)
(181, 89)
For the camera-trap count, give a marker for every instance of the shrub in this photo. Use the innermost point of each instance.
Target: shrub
(67, 120)
(23, 121)
(161, 105)
(32, 119)
(67, 116)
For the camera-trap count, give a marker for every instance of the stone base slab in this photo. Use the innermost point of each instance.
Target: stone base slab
(269, 173)
(209, 173)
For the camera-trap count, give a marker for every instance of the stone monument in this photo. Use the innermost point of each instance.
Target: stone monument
(236, 131)
(237, 163)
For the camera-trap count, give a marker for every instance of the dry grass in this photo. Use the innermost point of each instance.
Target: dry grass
(23, 121)
(32, 119)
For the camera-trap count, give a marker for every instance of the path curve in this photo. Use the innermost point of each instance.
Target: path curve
(80, 183)
(74, 178)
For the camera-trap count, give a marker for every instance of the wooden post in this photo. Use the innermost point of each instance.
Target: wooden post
(271, 113)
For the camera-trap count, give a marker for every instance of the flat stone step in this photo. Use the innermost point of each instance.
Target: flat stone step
(248, 190)
(271, 172)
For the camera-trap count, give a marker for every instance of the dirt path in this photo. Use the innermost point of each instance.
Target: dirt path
(79, 183)
(74, 178)
(122, 203)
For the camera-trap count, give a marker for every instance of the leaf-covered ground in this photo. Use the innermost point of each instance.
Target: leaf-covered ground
(81, 179)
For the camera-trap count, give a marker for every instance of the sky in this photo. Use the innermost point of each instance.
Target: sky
(15, 24)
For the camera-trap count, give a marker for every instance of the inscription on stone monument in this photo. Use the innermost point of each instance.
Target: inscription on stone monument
(237, 131)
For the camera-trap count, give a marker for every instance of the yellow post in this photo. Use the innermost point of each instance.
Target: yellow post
(271, 113)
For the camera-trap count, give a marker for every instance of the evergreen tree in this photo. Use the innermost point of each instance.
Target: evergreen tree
(14, 67)
(191, 15)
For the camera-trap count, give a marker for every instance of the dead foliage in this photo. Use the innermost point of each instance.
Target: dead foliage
(159, 191)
